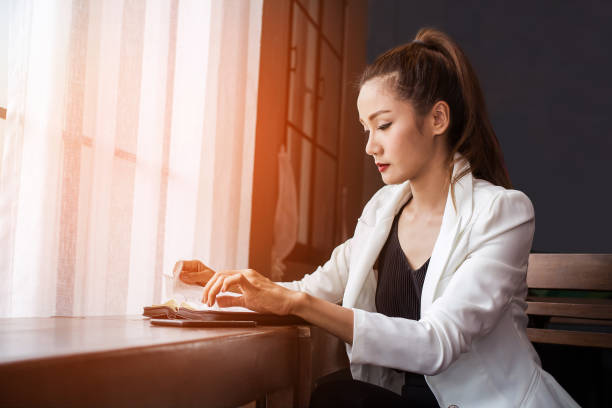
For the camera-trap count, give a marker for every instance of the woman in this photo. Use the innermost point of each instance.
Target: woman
(433, 281)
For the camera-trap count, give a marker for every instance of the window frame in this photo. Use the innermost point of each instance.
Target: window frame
(271, 134)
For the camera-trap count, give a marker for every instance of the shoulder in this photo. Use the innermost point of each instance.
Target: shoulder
(497, 207)
(487, 197)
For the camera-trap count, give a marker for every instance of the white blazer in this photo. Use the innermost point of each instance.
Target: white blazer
(470, 342)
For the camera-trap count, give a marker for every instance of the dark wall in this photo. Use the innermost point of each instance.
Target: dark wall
(546, 70)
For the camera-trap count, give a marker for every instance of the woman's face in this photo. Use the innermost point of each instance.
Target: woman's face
(400, 147)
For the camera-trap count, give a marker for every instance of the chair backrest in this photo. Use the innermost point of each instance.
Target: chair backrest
(566, 318)
(570, 271)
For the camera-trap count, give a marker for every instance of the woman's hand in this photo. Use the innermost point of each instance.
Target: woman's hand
(259, 293)
(193, 272)
(262, 295)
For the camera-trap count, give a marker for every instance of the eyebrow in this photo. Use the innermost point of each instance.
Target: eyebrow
(375, 114)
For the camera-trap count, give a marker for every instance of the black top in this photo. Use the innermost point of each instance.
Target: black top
(398, 294)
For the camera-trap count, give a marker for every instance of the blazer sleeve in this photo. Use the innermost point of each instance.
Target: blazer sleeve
(477, 294)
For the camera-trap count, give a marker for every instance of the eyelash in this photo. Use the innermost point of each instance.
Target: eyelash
(384, 126)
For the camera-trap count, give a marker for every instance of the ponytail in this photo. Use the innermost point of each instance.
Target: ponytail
(433, 68)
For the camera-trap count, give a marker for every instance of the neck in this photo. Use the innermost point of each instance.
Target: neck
(430, 189)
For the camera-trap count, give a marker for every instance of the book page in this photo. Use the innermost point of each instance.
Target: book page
(194, 305)
(189, 296)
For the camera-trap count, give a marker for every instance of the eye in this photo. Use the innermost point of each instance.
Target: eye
(366, 132)
(384, 126)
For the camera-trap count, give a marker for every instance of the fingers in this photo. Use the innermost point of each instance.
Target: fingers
(193, 266)
(178, 268)
(231, 281)
(214, 289)
(228, 281)
(222, 285)
(213, 286)
(192, 272)
(230, 301)
(258, 292)
(196, 277)
(208, 286)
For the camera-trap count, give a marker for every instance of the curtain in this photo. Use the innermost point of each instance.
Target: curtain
(128, 145)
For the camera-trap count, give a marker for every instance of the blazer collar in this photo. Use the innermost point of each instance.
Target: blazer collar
(461, 207)
(457, 213)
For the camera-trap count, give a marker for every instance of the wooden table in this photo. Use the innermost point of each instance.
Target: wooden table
(124, 361)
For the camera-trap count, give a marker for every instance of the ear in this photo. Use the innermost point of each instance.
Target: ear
(440, 117)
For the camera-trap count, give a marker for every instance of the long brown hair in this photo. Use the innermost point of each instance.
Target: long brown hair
(433, 68)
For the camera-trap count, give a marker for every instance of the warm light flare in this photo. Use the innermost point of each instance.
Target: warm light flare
(117, 136)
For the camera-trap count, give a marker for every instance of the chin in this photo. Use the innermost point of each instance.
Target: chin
(392, 179)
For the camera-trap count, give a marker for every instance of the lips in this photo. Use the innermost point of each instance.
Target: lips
(382, 166)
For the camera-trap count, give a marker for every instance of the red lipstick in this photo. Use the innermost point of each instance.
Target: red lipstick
(382, 166)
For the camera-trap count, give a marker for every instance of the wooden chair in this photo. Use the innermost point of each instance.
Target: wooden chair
(574, 318)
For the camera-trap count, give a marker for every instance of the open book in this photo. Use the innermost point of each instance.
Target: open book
(199, 311)
(185, 304)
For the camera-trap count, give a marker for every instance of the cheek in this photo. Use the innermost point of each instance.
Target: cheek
(408, 143)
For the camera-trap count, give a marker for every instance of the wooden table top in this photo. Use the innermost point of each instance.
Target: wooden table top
(24, 339)
(125, 361)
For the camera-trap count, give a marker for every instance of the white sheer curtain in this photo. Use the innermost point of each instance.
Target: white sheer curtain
(128, 145)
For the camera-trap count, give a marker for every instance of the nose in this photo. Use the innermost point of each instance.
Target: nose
(372, 147)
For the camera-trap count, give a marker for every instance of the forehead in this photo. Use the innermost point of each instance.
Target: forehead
(374, 95)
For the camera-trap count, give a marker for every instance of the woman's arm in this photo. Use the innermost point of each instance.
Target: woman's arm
(262, 295)
(313, 298)
(304, 298)
(326, 282)
(334, 318)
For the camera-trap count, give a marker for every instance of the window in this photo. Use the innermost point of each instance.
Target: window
(115, 163)
(313, 118)
(4, 36)
(312, 50)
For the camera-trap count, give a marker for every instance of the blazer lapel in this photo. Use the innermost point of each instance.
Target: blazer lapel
(442, 249)
(378, 236)
(455, 218)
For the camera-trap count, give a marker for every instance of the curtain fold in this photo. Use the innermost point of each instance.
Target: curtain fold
(128, 146)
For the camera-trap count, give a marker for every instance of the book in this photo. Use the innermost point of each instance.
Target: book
(202, 323)
(194, 311)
